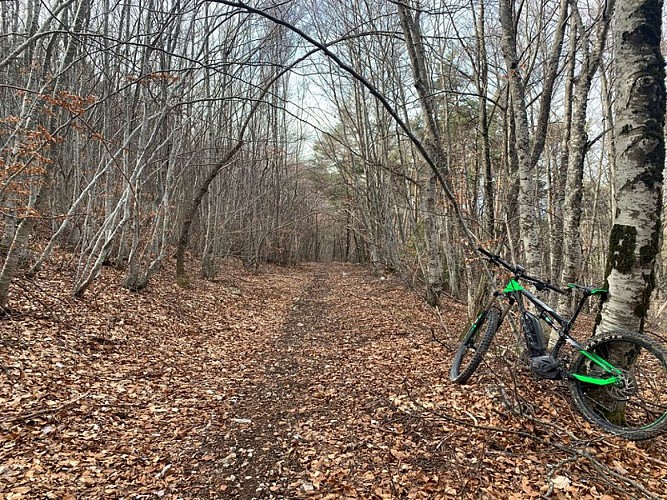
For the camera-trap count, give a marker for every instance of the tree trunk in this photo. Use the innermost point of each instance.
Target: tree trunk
(191, 211)
(482, 83)
(577, 149)
(19, 242)
(640, 160)
(433, 144)
(434, 262)
(529, 151)
(560, 174)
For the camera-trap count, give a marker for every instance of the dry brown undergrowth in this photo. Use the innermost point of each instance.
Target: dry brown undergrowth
(321, 381)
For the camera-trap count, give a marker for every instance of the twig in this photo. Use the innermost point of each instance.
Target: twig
(472, 417)
(656, 461)
(40, 288)
(444, 327)
(553, 470)
(364, 297)
(436, 339)
(48, 309)
(392, 486)
(574, 452)
(46, 411)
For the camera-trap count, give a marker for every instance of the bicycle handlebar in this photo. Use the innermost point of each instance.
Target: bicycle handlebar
(519, 272)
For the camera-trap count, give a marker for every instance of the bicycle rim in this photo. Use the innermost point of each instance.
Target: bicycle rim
(636, 406)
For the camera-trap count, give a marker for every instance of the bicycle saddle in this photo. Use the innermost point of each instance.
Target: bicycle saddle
(588, 290)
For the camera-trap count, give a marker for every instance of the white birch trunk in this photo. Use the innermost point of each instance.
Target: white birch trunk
(640, 160)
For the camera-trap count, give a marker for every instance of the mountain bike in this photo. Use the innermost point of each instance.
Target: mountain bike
(618, 380)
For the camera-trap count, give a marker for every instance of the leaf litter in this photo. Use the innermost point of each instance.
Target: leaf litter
(321, 381)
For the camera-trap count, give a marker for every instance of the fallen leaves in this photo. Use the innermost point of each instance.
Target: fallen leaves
(316, 382)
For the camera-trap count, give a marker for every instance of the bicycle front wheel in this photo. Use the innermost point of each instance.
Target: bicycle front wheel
(635, 406)
(474, 346)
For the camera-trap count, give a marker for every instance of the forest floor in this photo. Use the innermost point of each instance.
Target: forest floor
(321, 381)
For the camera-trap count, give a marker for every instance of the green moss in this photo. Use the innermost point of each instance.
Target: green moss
(648, 252)
(641, 310)
(622, 248)
(652, 159)
(648, 33)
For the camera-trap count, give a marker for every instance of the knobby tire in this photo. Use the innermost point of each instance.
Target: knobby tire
(635, 408)
(478, 339)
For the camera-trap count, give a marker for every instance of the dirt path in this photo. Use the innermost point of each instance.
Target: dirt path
(256, 455)
(317, 382)
(308, 420)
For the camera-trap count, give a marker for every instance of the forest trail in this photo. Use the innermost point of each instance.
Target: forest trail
(307, 422)
(308, 416)
(322, 381)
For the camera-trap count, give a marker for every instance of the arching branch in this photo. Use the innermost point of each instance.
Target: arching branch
(324, 48)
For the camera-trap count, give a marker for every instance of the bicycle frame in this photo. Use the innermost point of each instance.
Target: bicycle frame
(516, 293)
(617, 379)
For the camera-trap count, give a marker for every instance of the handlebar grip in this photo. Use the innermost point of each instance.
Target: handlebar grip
(498, 260)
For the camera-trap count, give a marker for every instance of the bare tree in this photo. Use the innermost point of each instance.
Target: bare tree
(529, 150)
(591, 55)
(433, 143)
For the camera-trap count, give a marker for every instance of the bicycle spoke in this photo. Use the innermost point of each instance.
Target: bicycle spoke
(636, 406)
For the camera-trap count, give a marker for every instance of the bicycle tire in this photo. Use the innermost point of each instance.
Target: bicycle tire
(484, 328)
(635, 408)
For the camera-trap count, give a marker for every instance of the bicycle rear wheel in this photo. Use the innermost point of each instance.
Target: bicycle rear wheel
(635, 407)
(474, 346)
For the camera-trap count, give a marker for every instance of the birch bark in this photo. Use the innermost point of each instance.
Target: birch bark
(640, 160)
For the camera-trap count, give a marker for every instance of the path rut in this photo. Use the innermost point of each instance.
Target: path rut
(313, 403)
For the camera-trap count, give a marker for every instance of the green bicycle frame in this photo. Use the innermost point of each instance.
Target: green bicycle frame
(514, 288)
(605, 365)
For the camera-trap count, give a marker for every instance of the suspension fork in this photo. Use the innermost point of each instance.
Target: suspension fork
(505, 308)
